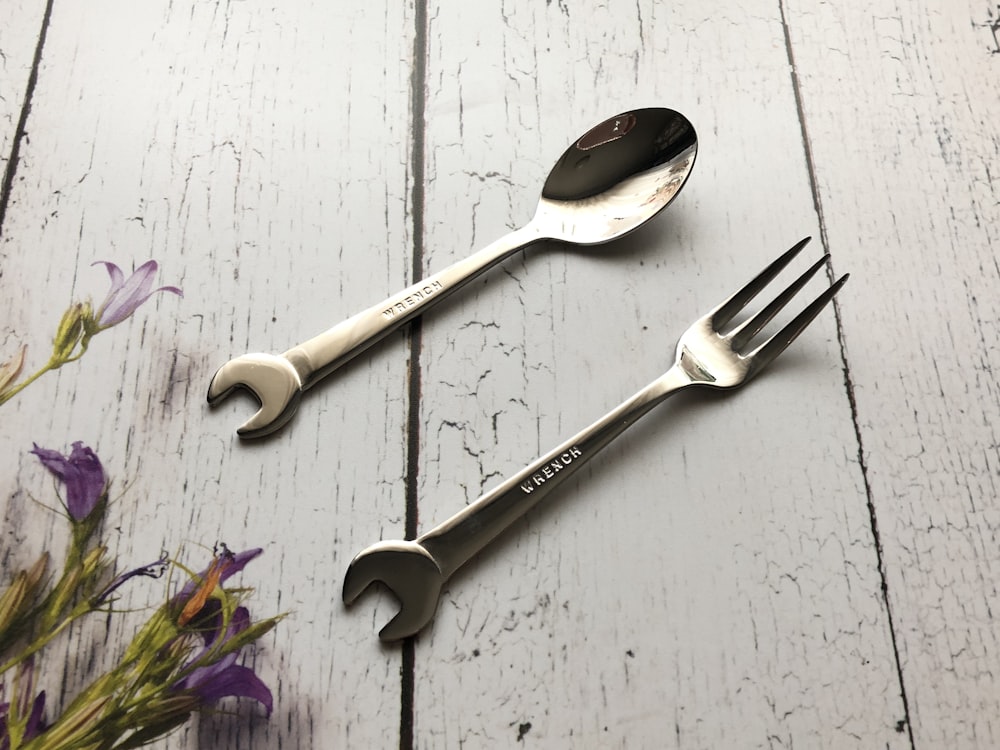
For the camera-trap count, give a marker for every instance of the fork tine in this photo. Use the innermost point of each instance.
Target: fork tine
(764, 354)
(748, 329)
(725, 312)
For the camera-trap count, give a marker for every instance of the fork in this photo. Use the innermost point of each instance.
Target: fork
(713, 353)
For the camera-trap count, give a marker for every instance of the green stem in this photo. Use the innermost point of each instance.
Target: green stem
(52, 364)
(8, 395)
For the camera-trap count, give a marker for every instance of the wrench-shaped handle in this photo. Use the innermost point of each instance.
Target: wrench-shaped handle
(279, 381)
(457, 540)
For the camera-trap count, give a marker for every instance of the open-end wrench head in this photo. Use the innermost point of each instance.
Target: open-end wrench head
(406, 569)
(273, 382)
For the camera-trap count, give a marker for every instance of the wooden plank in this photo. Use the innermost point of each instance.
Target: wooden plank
(711, 580)
(19, 34)
(901, 106)
(667, 597)
(259, 153)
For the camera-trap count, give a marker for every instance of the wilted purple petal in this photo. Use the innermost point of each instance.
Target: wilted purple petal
(36, 720)
(153, 570)
(81, 474)
(34, 726)
(235, 681)
(237, 562)
(230, 563)
(126, 295)
(225, 678)
(239, 622)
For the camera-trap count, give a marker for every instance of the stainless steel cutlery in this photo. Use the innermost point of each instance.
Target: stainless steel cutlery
(611, 180)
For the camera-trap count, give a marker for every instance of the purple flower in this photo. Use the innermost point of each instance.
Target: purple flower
(82, 475)
(127, 294)
(225, 678)
(210, 682)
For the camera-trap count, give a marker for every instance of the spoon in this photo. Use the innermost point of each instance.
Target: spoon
(610, 181)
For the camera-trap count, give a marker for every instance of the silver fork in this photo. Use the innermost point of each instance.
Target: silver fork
(712, 353)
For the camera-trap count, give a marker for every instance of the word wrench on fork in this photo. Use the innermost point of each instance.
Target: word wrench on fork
(708, 355)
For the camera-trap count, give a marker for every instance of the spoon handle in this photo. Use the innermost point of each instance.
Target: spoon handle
(322, 354)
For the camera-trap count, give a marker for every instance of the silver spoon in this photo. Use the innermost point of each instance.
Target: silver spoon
(610, 181)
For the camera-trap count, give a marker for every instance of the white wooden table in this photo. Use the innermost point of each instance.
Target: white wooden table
(812, 561)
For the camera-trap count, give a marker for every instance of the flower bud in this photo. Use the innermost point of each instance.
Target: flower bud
(10, 369)
(159, 719)
(61, 597)
(20, 595)
(76, 724)
(71, 331)
(93, 561)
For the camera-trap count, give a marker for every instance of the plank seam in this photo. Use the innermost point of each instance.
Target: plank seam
(848, 380)
(10, 169)
(418, 104)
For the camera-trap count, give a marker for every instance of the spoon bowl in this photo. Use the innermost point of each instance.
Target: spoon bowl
(616, 177)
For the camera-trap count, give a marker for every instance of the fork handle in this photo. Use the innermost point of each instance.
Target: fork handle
(461, 537)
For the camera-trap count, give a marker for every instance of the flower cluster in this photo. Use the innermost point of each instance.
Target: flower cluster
(80, 323)
(183, 660)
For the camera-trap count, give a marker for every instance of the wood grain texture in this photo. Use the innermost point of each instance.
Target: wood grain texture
(808, 562)
(260, 154)
(711, 579)
(901, 105)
